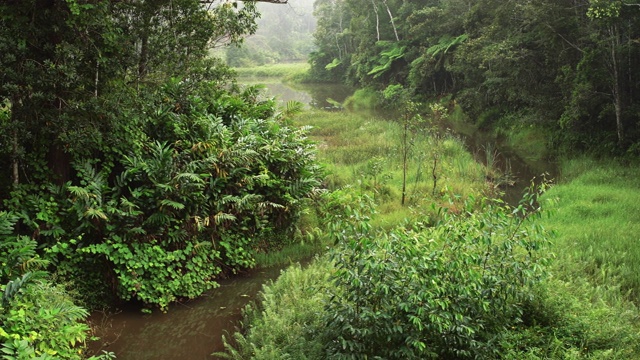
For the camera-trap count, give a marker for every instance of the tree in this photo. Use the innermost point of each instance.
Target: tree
(66, 85)
(141, 166)
(563, 65)
(610, 21)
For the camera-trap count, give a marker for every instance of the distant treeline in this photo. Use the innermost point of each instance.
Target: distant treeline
(284, 34)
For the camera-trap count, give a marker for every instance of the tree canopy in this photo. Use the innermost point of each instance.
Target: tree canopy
(131, 163)
(566, 65)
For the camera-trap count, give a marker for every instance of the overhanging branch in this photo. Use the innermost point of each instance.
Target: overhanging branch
(267, 1)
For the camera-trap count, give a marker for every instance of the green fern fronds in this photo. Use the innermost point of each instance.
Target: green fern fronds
(7, 220)
(173, 204)
(13, 287)
(221, 217)
(92, 213)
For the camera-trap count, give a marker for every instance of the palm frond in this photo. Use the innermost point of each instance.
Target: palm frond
(173, 204)
(221, 217)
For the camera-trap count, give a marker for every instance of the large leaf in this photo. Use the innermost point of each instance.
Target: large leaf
(335, 63)
(387, 57)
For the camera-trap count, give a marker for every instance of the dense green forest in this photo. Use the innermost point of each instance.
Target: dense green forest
(567, 66)
(132, 166)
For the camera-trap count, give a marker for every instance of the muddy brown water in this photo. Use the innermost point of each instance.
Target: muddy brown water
(193, 330)
(190, 330)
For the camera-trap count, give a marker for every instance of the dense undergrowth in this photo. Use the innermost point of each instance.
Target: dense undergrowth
(567, 279)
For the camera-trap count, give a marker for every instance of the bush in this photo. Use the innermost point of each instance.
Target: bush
(215, 177)
(287, 323)
(433, 292)
(37, 318)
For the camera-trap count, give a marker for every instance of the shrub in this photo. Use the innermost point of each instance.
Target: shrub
(445, 291)
(287, 323)
(37, 318)
(215, 177)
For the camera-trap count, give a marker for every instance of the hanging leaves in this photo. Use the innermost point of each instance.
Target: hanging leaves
(392, 52)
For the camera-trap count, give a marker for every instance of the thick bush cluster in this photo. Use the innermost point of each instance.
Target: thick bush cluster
(216, 180)
(37, 318)
(452, 288)
(440, 291)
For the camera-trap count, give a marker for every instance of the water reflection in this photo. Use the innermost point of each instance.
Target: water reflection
(192, 330)
(317, 96)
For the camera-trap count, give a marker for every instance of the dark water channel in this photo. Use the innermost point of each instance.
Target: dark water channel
(193, 330)
(188, 331)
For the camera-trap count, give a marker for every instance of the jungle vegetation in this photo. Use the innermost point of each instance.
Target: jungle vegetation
(132, 166)
(566, 67)
(551, 277)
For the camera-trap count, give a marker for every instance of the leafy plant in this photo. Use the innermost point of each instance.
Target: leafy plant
(445, 291)
(391, 52)
(37, 319)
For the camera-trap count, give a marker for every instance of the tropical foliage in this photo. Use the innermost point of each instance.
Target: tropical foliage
(567, 66)
(132, 167)
(453, 288)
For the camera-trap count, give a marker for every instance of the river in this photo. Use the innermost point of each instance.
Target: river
(193, 330)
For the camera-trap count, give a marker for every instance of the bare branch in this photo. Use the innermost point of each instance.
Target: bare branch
(267, 1)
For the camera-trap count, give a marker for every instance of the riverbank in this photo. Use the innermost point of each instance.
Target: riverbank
(286, 72)
(365, 152)
(586, 308)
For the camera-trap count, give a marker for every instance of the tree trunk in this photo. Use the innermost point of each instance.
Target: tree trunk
(59, 162)
(615, 73)
(15, 165)
(393, 24)
(375, 10)
(405, 152)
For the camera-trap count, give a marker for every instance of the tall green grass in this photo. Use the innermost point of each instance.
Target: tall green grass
(591, 301)
(287, 323)
(364, 151)
(596, 215)
(287, 71)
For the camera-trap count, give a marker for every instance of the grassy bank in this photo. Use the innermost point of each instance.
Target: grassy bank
(596, 215)
(584, 305)
(287, 71)
(586, 308)
(366, 153)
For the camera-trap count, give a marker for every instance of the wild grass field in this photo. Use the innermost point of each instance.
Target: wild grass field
(365, 152)
(285, 71)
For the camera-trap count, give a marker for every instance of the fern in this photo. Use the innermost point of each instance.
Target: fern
(263, 205)
(92, 213)
(158, 219)
(292, 108)
(445, 44)
(173, 204)
(7, 220)
(301, 187)
(201, 247)
(79, 192)
(387, 57)
(333, 64)
(221, 217)
(130, 207)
